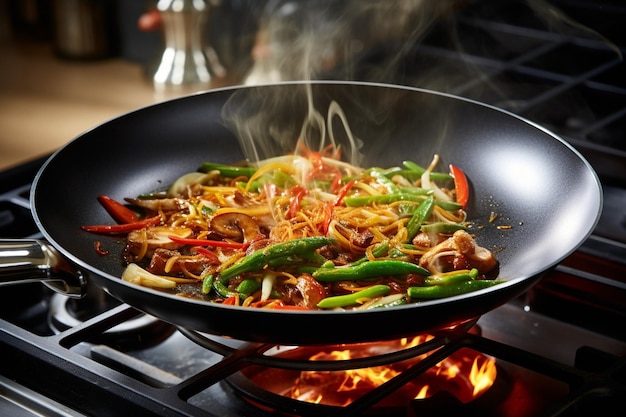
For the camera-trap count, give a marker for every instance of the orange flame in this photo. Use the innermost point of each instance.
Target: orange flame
(466, 374)
(482, 376)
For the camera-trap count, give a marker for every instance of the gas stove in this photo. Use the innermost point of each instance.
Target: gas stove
(560, 349)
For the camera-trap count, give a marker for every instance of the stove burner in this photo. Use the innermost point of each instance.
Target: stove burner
(465, 375)
(142, 331)
(263, 373)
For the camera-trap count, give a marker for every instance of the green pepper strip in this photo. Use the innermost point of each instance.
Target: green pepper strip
(248, 286)
(421, 214)
(258, 260)
(389, 301)
(222, 290)
(207, 283)
(415, 191)
(448, 205)
(443, 227)
(451, 278)
(229, 171)
(354, 298)
(380, 178)
(442, 291)
(365, 270)
(380, 249)
(416, 169)
(381, 199)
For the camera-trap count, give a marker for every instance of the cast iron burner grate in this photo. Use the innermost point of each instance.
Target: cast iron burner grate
(120, 382)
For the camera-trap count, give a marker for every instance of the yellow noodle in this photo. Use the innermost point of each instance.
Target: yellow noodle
(367, 188)
(144, 245)
(250, 211)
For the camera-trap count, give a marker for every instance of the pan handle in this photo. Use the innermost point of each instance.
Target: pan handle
(32, 260)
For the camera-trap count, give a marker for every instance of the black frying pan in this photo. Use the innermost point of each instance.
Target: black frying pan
(536, 183)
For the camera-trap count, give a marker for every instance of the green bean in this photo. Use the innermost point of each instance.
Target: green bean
(365, 270)
(416, 169)
(451, 278)
(354, 298)
(443, 291)
(382, 199)
(378, 251)
(419, 216)
(222, 290)
(415, 191)
(248, 286)
(304, 247)
(397, 254)
(449, 205)
(229, 171)
(207, 283)
(380, 178)
(389, 301)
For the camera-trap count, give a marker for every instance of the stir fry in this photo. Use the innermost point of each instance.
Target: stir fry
(305, 231)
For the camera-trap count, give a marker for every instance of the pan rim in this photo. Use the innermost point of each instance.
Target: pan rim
(510, 282)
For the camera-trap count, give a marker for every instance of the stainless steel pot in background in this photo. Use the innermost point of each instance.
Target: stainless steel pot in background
(85, 29)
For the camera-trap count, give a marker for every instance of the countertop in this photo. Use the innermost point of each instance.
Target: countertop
(46, 101)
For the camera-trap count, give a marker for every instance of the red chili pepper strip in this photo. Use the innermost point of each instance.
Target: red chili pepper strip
(461, 185)
(98, 247)
(328, 217)
(297, 193)
(336, 181)
(206, 242)
(232, 301)
(343, 191)
(118, 229)
(118, 211)
(213, 258)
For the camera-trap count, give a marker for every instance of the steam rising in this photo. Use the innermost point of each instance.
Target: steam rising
(303, 40)
(328, 39)
(271, 122)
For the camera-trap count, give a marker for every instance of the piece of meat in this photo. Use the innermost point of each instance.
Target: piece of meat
(161, 256)
(311, 290)
(459, 251)
(143, 242)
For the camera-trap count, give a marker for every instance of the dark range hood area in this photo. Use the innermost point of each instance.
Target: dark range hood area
(560, 349)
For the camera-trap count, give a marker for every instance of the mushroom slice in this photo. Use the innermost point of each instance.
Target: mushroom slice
(236, 226)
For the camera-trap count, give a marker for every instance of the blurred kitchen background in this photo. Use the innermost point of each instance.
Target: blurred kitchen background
(68, 65)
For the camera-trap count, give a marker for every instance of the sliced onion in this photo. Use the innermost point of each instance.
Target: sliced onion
(139, 276)
(267, 285)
